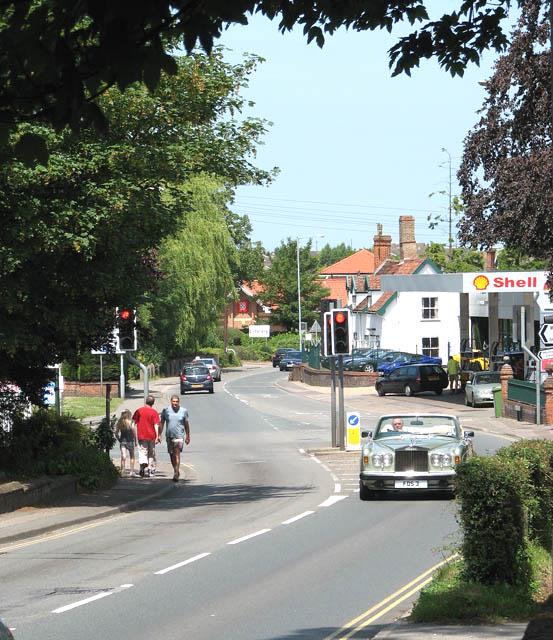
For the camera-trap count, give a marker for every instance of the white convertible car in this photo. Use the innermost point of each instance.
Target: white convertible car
(412, 452)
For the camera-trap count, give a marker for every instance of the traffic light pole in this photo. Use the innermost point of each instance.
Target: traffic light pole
(333, 402)
(341, 414)
(144, 373)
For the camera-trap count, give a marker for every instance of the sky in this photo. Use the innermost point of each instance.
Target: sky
(355, 147)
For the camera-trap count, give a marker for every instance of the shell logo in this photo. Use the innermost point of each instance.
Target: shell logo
(481, 282)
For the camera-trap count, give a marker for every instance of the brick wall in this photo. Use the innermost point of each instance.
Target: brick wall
(90, 389)
(321, 377)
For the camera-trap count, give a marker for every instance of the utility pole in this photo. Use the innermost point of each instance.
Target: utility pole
(450, 237)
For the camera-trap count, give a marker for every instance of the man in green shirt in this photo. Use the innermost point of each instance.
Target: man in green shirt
(453, 373)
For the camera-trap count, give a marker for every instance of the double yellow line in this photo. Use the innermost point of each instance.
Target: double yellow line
(390, 602)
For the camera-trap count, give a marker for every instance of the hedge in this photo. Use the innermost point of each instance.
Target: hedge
(538, 455)
(494, 494)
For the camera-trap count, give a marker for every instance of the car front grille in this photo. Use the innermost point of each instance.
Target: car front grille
(412, 460)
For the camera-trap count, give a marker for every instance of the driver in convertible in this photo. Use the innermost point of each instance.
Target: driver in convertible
(397, 425)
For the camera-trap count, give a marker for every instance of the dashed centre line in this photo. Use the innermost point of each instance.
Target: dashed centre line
(98, 596)
(181, 564)
(298, 517)
(249, 536)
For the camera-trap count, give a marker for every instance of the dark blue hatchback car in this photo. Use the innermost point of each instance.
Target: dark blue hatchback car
(289, 360)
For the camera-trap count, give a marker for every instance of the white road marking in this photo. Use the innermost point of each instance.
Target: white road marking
(276, 429)
(337, 487)
(299, 517)
(316, 459)
(326, 467)
(98, 596)
(182, 564)
(332, 500)
(251, 462)
(251, 535)
(302, 451)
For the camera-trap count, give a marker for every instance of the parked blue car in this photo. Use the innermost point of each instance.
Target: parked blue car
(395, 359)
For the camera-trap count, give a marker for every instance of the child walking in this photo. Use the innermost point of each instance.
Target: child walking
(125, 432)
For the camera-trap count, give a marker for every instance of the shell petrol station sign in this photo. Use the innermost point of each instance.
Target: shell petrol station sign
(505, 281)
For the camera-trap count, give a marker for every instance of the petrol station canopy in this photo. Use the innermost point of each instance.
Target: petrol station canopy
(477, 282)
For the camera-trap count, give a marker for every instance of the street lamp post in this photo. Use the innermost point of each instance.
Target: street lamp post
(299, 289)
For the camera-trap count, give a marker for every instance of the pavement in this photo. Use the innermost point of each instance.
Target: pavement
(130, 494)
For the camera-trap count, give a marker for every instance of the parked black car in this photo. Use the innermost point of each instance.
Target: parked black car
(195, 377)
(289, 360)
(412, 378)
(279, 353)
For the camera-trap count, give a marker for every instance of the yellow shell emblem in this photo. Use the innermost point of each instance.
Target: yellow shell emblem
(481, 282)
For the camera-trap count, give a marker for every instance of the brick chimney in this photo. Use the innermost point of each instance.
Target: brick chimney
(382, 247)
(490, 260)
(407, 242)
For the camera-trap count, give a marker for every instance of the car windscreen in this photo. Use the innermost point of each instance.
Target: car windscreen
(208, 361)
(295, 355)
(418, 426)
(487, 378)
(196, 371)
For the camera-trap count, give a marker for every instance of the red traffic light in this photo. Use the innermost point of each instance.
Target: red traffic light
(339, 317)
(125, 314)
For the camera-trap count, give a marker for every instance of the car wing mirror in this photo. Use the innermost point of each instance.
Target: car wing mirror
(468, 434)
(366, 434)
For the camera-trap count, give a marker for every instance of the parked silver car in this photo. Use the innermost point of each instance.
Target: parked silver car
(412, 452)
(480, 386)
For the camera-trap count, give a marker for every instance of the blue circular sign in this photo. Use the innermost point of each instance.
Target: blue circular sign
(353, 420)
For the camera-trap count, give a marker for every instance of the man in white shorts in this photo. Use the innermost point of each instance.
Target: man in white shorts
(177, 432)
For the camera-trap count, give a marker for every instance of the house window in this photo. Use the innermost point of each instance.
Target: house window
(430, 308)
(431, 347)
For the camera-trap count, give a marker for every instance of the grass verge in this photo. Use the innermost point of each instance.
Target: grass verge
(450, 599)
(86, 407)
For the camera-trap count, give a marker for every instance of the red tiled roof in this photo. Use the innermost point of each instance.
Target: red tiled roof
(393, 267)
(381, 302)
(361, 261)
(362, 306)
(337, 289)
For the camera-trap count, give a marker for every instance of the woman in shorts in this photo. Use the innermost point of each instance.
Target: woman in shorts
(125, 432)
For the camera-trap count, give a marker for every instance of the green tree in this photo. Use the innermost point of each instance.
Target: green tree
(196, 265)
(506, 169)
(250, 255)
(460, 260)
(80, 236)
(515, 260)
(329, 255)
(281, 285)
(75, 52)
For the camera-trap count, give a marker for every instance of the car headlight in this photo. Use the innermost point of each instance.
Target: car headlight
(382, 459)
(443, 459)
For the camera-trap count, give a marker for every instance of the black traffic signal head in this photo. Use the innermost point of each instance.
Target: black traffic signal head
(126, 329)
(341, 331)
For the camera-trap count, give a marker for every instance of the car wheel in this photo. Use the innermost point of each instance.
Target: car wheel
(472, 403)
(211, 391)
(438, 392)
(368, 368)
(364, 493)
(380, 390)
(408, 390)
(182, 391)
(467, 400)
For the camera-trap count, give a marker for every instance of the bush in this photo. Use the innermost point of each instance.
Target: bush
(46, 443)
(538, 455)
(494, 495)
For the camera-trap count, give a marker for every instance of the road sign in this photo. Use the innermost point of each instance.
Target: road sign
(353, 434)
(546, 334)
(315, 327)
(259, 330)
